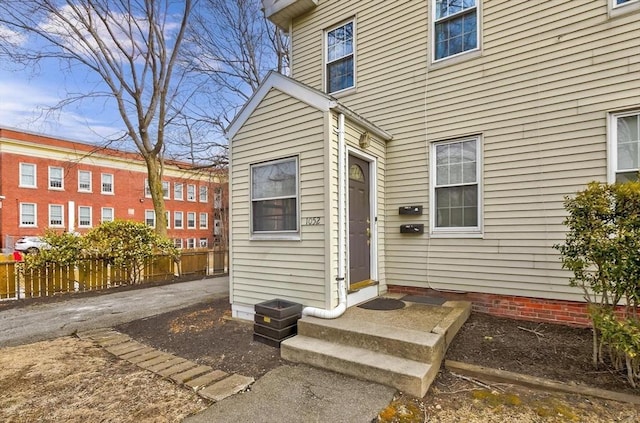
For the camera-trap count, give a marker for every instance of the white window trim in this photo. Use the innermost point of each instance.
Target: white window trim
(195, 222)
(463, 55)
(206, 243)
(146, 188)
(154, 217)
(325, 59)
(35, 216)
(175, 197)
(102, 191)
(191, 242)
(456, 232)
(168, 196)
(168, 214)
(61, 188)
(206, 194)
(293, 235)
(178, 245)
(193, 200)
(21, 183)
(621, 9)
(59, 225)
(113, 214)
(90, 181)
(90, 217)
(612, 142)
(181, 220)
(206, 220)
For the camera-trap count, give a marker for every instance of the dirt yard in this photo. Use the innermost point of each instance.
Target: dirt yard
(73, 381)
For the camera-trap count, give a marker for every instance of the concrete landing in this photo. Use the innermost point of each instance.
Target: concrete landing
(399, 348)
(211, 384)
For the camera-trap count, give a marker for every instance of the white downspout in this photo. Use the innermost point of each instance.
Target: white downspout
(342, 289)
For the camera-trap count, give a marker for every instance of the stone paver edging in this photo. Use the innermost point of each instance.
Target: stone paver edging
(207, 382)
(495, 375)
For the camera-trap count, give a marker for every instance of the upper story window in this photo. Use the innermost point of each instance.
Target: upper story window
(147, 190)
(204, 220)
(191, 192)
(624, 146)
(455, 187)
(27, 175)
(455, 26)
(340, 63)
(177, 242)
(619, 7)
(106, 183)
(217, 198)
(56, 178)
(178, 191)
(274, 196)
(84, 181)
(165, 190)
(203, 193)
(191, 220)
(177, 220)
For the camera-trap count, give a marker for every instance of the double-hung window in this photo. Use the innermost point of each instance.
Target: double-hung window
(624, 147)
(203, 193)
(56, 215)
(56, 178)
(456, 27)
(165, 190)
(204, 220)
(191, 220)
(84, 217)
(177, 220)
(84, 181)
(455, 187)
(27, 175)
(191, 192)
(106, 183)
(178, 191)
(107, 214)
(618, 7)
(274, 196)
(340, 60)
(28, 215)
(150, 218)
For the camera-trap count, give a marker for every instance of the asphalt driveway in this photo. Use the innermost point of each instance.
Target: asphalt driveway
(43, 321)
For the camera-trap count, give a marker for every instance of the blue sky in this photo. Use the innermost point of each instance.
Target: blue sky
(26, 95)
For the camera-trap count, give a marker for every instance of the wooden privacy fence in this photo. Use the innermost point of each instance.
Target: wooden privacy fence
(97, 273)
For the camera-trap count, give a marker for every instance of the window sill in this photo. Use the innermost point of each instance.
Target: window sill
(452, 60)
(85, 192)
(55, 189)
(275, 237)
(28, 186)
(107, 193)
(343, 92)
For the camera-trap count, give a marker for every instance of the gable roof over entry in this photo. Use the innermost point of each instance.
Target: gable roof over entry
(304, 93)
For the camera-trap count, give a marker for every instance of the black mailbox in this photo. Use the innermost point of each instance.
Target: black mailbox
(410, 210)
(412, 228)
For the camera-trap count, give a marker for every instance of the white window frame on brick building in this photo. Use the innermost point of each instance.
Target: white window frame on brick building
(203, 220)
(56, 216)
(203, 193)
(28, 215)
(150, 218)
(107, 216)
(28, 175)
(84, 181)
(178, 191)
(191, 192)
(191, 220)
(106, 183)
(56, 178)
(85, 218)
(178, 220)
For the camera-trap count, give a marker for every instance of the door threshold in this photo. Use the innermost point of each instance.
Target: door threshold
(361, 285)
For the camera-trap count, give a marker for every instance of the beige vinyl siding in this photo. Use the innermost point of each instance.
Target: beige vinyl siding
(538, 94)
(262, 270)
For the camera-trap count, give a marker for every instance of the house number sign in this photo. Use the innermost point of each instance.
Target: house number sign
(311, 221)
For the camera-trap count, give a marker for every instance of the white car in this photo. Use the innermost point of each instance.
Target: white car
(30, 244)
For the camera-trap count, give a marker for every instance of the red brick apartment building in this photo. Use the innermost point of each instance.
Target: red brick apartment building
(50, 183)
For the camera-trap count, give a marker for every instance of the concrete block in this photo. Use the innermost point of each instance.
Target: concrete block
(178, 368)
(190, 374)
(206, 379)
(226, 387)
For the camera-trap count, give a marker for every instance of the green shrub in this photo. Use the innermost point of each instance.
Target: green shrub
(602, 249)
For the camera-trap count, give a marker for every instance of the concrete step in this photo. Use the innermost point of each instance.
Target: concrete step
(409, 376)
(400, 342)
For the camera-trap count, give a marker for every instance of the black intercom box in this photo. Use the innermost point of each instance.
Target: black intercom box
(412, 228)
(410, 210)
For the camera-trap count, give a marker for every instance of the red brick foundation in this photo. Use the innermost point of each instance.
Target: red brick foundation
(571, 313)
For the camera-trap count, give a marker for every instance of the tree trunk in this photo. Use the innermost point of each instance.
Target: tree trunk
(155, 170)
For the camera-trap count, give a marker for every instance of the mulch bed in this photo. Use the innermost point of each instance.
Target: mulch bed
(205, 333)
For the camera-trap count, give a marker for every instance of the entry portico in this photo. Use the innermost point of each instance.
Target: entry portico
(307, 209)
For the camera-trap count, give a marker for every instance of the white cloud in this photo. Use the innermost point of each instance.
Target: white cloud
(12, 37)
(26, 106)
